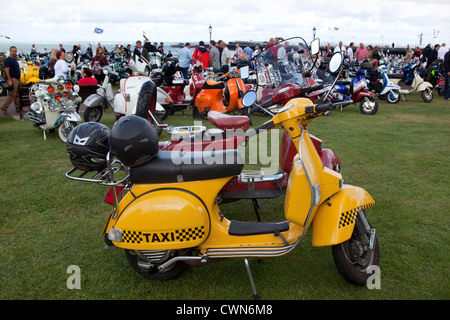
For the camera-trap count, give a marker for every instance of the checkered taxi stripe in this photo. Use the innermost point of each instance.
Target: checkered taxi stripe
(132, 236)
(190, 234)
(182, 235)
(347, 218)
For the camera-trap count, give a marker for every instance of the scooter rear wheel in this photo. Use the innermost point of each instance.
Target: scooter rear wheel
(353, 258)
(146, 104)
(93, 114)
(152, 272)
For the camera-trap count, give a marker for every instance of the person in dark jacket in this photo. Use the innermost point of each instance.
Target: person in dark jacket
(447, 75)
(12, 72)
(433, 55)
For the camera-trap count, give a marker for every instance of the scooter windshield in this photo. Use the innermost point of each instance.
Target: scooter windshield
(282, 63)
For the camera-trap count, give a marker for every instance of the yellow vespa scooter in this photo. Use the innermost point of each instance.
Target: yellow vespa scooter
(167, 216)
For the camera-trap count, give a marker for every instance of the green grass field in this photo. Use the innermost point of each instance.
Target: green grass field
(400, 156)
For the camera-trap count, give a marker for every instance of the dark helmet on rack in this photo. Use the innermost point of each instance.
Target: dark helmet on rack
(88, 145)
(134, 141)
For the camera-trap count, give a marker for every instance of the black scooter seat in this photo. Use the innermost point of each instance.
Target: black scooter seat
(210, 84)
(178, 166)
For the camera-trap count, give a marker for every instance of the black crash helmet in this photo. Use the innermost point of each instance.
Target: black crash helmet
(134, 140)
(88, 145)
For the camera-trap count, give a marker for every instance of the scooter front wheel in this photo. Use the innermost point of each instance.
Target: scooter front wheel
(354, 256)
(393, 96)
(427, 95)
(146, 264)
(65, 129)
(368, 105)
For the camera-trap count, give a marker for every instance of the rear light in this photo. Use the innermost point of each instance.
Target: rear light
(58, 96)
(51, 89)
(68, 86)
(66, 95)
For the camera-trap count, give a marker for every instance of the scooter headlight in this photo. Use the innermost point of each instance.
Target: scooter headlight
(36, 108)
(115, 235)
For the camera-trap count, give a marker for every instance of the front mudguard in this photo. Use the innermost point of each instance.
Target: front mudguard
(67, 116)
(335, 219)
(424, 85)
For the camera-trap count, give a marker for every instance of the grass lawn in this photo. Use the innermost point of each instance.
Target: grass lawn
(400, 156)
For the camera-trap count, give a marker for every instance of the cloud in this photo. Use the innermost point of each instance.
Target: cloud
(180, 21)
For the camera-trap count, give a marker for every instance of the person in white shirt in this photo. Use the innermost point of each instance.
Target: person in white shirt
(61, 67)
(339, 48)
(282, 54)
(442, 51)
(226, 55)
(350, 52)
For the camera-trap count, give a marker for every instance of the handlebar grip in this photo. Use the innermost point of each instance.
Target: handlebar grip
(266, 104)
(252, 132)
(323, 107)
(315, 88)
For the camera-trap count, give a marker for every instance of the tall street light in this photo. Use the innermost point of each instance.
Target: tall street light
(210, 32)
(314, 33)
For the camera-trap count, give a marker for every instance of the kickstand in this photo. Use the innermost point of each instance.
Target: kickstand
(256, 207)
(252, 283)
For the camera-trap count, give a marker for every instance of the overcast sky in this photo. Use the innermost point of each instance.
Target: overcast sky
(382, 21)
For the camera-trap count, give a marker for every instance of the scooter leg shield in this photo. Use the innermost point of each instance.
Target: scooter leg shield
(335, 219)
(161, 219)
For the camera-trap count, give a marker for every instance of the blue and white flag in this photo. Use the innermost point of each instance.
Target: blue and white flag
(98, 30)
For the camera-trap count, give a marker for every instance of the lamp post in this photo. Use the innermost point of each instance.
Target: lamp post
(210, 32)
(314, 33)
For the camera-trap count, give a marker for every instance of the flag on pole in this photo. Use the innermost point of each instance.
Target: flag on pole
(98, 30)
(336, 28)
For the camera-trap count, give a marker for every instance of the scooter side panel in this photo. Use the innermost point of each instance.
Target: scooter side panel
(94, 100)
(335, 220)
(163, 219)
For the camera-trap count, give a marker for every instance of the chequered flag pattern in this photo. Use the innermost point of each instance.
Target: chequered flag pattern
(132, 236)
(348, 217)
(190, 234)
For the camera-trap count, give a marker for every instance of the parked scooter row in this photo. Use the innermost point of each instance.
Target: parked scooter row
(167, 216)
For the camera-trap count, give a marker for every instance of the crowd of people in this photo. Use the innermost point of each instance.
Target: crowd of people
(217, 56)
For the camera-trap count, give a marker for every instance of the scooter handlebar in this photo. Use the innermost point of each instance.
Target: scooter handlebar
(320, 108)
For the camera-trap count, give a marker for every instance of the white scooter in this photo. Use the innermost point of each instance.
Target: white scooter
(123, 103)
(418, 84)
(55, 104)
(144, 67)
(388, 90)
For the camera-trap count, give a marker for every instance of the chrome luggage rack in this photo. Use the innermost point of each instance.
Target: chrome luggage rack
(106, 177)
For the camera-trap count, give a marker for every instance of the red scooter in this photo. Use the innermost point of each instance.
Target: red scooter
(276, 85)
(175, 98)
